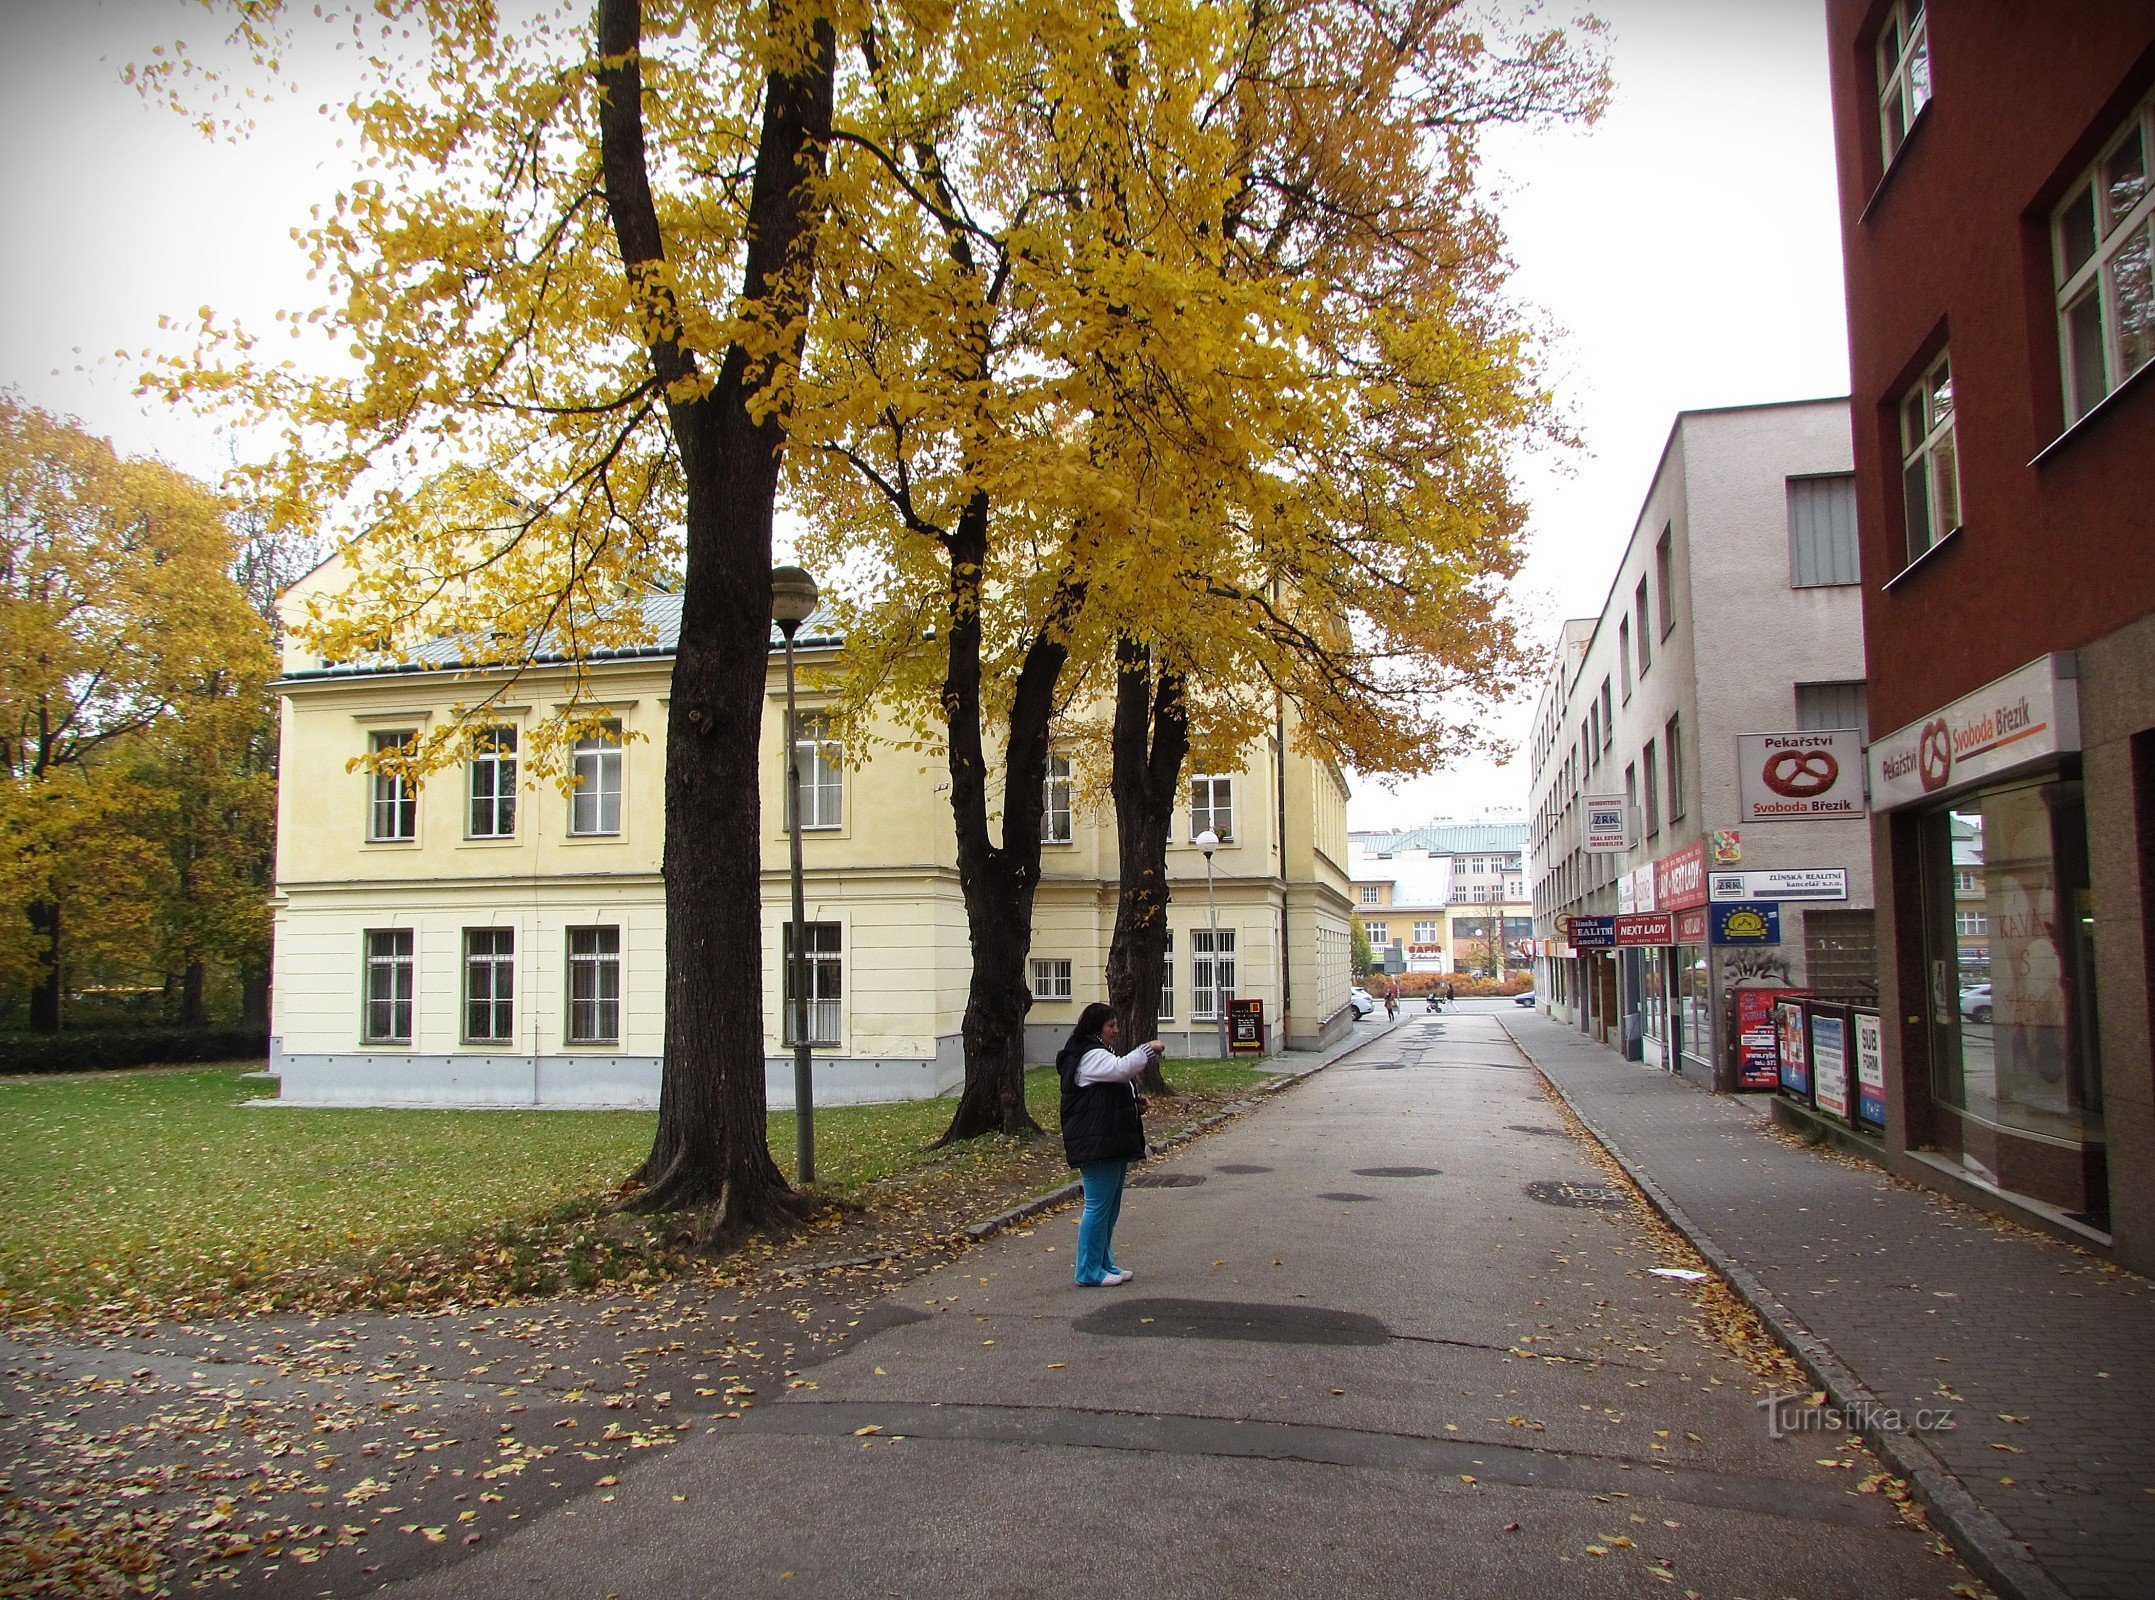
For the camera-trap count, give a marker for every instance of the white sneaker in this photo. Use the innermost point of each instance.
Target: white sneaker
(1113, 1278)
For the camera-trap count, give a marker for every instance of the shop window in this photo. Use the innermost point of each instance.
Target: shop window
(393, 808)
(826, 983)
(2103, 238)
(388, 1018)
(1930, 459)
(594, 985)
(492, 785)
(1904, 74)
(489, 985)
(595, 807)
(1822, 531)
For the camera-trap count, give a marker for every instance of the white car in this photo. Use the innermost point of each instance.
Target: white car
(1362, 1001)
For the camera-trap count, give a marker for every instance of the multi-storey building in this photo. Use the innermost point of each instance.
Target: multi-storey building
(1998, 227)
(482, 938)
(1448, 897)
(1734, 612)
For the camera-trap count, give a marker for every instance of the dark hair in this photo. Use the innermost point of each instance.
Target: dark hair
(1089, 1023)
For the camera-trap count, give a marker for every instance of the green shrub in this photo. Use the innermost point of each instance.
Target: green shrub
(109, 1049)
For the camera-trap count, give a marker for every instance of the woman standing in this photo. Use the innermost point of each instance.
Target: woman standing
(1103, 1130)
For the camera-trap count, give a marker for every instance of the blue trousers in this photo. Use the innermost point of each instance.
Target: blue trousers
(1096, 1228)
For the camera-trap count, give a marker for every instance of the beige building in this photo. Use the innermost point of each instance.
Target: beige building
(483, 938)
(1446, 898)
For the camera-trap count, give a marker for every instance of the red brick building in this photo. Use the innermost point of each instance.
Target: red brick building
(1998, 222)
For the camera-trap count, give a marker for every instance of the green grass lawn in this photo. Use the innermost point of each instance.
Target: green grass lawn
(147, 1188)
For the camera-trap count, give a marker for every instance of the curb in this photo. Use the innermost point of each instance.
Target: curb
(1984, 1542)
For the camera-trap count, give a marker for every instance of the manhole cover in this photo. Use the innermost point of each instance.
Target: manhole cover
(1562, 1192)
(1398, 1172)
(1240, 1166)
(1167, 1180)
(1528, 1127)
(1240, 1320)
(1345, 1194)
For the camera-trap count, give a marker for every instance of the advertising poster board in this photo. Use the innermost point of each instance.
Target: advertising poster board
(1246, 1027)
(1758, 1060)
(1680, 879)
(1792, 1045)
(1646, 928)
(1829, 1062)
(1870, 1035)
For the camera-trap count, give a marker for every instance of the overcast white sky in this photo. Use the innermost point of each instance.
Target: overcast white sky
(1687, 248)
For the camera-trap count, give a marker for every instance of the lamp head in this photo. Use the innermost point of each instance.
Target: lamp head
(793, 598)
(1208, 841)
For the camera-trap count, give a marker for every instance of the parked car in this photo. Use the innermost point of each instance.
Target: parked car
(1975, 1002)
(1363, 1002)
(1529, 998)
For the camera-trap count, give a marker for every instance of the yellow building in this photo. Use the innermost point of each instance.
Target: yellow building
(484, 939)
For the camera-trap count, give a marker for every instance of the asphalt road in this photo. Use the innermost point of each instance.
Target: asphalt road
(1393, 1334)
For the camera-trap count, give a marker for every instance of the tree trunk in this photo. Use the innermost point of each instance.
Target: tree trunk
(254, 992)
(194, 979)
(711, 1150)
(998, 882)
(1151, 740)
(45, 992)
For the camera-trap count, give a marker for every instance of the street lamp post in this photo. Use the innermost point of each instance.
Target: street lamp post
(793, 597)
(1208, 841)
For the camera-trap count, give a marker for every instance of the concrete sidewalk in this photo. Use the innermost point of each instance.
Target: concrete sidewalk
(2046, 1355)
(1391, 1334)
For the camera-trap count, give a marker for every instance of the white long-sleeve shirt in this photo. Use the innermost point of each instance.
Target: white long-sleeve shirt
(1104, 1066)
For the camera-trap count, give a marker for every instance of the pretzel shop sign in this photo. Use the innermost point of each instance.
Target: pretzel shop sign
(1798, 777)
(2023, 718)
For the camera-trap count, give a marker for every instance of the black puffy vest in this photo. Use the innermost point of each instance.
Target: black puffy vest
(1100, 1120)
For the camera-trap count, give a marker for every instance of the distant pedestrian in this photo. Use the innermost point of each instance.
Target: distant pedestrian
(1449, 995)
(1103, 1131)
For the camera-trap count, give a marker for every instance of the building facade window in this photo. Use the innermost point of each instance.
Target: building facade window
(1833, 705)
(826, 983)
(1425, 932)
(1212, 973)
(1212, 805)
(492, 813)
(1608, 716)
(1051, 979)
(388, 1018)
(1930, 462)
(393, 798)
(489, 985)
(1822, 531)
(595, 807)
(823, 789)
(1650, 759)
(1646, 631)
(1665, 579)
(1055, 820)
(1380, 933)
(1673, 739)
(1167, 980)
(1371, 894)
(594, 985)
(1970, 924)
(1904, 75)
(2104, 239)
(1623, 656)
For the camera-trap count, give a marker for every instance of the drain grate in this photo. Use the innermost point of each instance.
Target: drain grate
(1167, 1180)
(1242, 1320)
(1344, 1194)
(1563, 1192)
(1240, 1166)
(1528, 1127)
(1399, 1172)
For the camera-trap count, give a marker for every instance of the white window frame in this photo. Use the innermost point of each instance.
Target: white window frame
(489, 985)
(392, 798)
(490, 788)
(388, 985)
(596, 805)
(1426, 932)
(1970, 924)
(823, 785)
(1167, 980)
(1904, 76)
(826, 983)
(1056, 825)
(2092, 285)
(1672, 738)
(1372, 895)
(1210, 980)
(1050, 978)
(1930, 458)
(594, 989)
(1376, 932)
(1212, 805)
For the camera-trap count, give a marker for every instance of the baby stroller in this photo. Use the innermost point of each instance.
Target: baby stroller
(1436, 1000)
